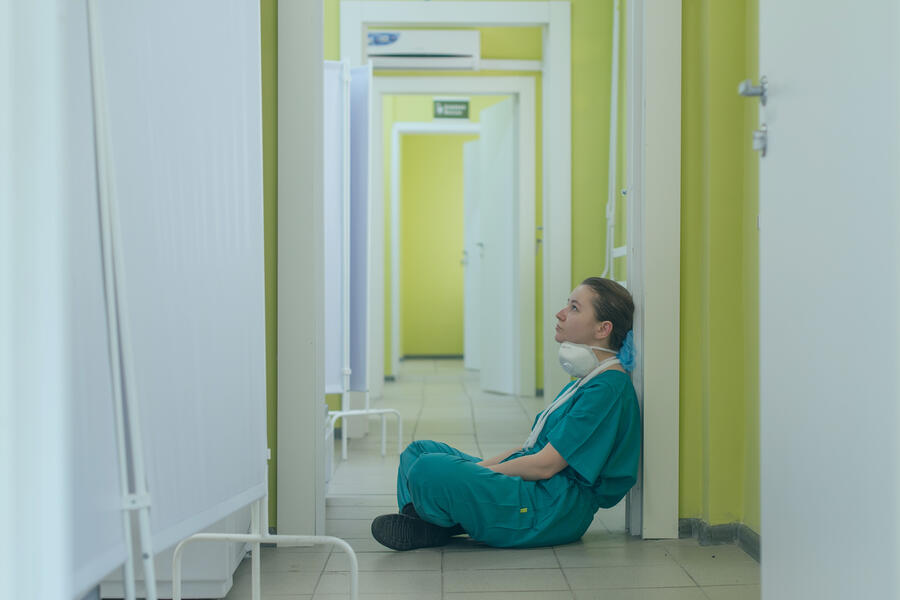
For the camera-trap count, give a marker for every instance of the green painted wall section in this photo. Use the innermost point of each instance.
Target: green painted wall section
(719, 426)
(431, 241)
(269, 52)
(592, 27)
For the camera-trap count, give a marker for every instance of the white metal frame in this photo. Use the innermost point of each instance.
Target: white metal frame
(554, 18)
(259, 514)
(124, 393)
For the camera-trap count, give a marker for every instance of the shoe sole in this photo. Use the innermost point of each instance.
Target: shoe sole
(401, 532)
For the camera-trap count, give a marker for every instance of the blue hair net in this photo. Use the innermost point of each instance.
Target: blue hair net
(626, 352)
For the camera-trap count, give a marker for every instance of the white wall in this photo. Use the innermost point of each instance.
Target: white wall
(34, 399)
(301, 386)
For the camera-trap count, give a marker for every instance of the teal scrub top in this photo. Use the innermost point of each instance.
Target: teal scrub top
(598, 432)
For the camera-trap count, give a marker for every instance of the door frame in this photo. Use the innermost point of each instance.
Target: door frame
(522, 88)
(654, 254)
(555, 20)
(400, 129)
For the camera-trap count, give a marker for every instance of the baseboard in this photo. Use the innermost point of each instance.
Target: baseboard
(728, 533)
(431, 357)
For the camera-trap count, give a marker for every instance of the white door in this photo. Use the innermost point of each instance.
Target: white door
(499, 318)
(471, 256)
(829, 300)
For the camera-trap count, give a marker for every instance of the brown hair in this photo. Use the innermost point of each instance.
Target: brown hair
(612, 303)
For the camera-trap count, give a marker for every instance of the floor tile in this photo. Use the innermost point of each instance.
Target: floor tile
(536, 558)
(418, 560)
(393, 582)
(613, 556)
(665, 575)
(279, 583)
(732, 592)
(362, 500)
(358, 512)
(723, 573)
(715, 565)
(682, 593)
(394, 596)
(504, 580)
(292, 561)
(542, 595)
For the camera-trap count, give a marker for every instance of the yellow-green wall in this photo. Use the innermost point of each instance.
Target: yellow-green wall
(719, 448)
(431, 239)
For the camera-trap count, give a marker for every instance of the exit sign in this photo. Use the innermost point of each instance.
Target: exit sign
(451, 109)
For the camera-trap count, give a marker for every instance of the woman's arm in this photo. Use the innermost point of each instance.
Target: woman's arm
(534, 467)
(499, 458)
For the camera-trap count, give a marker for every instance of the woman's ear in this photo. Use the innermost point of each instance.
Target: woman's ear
(603, 330)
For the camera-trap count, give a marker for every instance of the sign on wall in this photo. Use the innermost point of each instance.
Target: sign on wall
(456, 108)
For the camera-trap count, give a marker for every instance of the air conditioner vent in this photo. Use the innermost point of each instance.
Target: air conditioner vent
(424, 49)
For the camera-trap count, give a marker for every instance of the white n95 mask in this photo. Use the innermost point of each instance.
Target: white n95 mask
(578, 359)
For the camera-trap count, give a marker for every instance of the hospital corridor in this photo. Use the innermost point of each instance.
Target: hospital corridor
(449, 300)
(443, 401)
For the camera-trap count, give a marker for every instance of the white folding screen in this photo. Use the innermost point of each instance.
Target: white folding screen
(184, 116)
(333, 227)
(472, 253)
(345, 226)
(98, 541)
(360, 108)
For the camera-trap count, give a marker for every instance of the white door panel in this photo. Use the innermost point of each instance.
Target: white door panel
(829, 196)
(499, 318)
(471, 256)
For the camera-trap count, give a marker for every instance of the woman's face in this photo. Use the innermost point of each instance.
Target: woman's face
(576, 322)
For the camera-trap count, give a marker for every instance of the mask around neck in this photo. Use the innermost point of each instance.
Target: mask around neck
(579, 359)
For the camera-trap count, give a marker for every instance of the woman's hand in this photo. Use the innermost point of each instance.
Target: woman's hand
(534, 467)
(498, 459)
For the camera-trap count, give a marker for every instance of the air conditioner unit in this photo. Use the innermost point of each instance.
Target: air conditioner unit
(424, 49)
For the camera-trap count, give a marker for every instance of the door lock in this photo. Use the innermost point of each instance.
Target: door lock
(761, 139)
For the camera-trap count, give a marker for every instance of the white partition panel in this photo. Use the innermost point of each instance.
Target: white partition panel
(499, 273)
(360, 107)
(98, 536)
(333, 226)
(472, 255)
(184, 111)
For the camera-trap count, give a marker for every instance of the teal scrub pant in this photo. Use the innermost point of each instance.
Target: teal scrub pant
(447, 487)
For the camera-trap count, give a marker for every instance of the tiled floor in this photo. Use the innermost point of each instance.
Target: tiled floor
(440, 400)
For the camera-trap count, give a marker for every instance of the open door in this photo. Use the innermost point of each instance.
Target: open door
(471, 256)
(829, 192)
(499, 281)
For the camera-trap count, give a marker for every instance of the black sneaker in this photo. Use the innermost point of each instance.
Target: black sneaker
(402, 532)
(410, 511)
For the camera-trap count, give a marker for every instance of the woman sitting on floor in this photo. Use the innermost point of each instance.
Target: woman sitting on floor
(582, 453)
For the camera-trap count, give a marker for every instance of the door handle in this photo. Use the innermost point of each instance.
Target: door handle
(746, 88)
